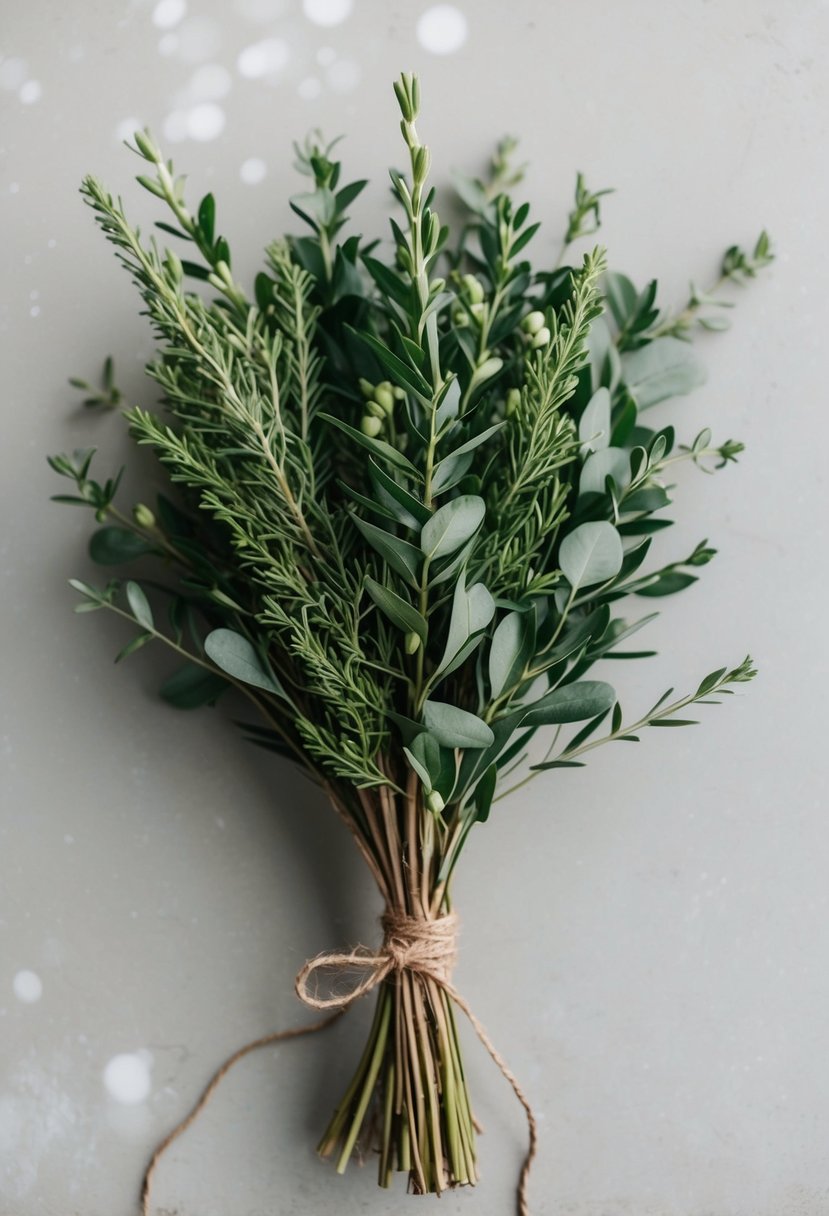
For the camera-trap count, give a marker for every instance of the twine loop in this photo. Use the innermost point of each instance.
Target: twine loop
(410, 943)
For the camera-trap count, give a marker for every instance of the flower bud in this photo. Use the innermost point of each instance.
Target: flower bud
(473, 288)
(459, 318)
(542, 338)
(384, 396)
(398, 393)
(533, 322)
(489, 368)
(434, 802)
(366, 388)
(375, 409)
(371, 426)
(513, 401)
(477, 310)
(412, 642)
(143, 516)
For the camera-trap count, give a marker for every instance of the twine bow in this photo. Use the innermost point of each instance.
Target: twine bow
(427, 948)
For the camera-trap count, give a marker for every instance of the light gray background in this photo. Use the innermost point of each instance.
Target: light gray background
(645, 939)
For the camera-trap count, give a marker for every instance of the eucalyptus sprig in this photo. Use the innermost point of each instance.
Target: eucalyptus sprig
(411, 499)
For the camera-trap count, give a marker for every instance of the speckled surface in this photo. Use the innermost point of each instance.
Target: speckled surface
(646, 939)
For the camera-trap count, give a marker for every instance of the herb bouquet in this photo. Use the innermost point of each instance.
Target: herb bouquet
(415, 494)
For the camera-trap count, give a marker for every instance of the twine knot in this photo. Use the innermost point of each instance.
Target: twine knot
(410, 943)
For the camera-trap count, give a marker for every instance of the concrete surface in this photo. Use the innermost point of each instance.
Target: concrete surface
(646, 939)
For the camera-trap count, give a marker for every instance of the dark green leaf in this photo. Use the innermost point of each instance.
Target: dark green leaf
(111, 546)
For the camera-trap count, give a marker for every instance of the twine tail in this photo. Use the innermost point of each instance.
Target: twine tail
(509, 1075)
(275, 1037)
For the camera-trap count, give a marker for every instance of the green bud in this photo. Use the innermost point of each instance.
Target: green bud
(143, 516)
(384, 396)
(459, 318)
(412, 642)
(533, 322)
(542, 338)
(371, 426)
(513, 401)
(489, 368)
(399, 393)
(375, 409)
(366, 388)
(223, 271)
(477, 310)
(434, 802)
(473, 287)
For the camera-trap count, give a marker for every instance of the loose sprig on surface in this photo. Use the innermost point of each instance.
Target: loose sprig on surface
(413, 501)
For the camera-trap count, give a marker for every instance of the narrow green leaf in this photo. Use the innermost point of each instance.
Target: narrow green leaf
(139, 605)
(402, 557)
(137, 642)
(399, 611)
(378, 447)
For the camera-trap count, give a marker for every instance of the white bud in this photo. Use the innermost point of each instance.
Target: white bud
(533, 322)
(434, 802)
(371, 426)
(542, 338)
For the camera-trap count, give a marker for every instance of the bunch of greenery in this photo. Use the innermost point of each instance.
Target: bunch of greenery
(414, 501)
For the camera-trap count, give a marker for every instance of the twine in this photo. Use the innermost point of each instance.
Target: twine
(423, 947)
(426, 948)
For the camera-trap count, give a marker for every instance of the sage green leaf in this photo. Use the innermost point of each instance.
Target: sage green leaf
(666, 367)
(139, 605)
(454, 727)
(399, 611)
(425, 758)
(511, 650)
(404, 374)
(399, 554)
(419, 768)
(111, 546)
(452, 525)
(450, 471)
(234, 654)
(472, 610)
(591, 553)
(594, 424)
(621, 297)
(192, 686)
(608, 462)
(572, 703)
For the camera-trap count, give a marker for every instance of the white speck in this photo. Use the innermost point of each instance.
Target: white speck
(14, 187)
(127, 127)
(309, 88)
(51, 243)
(13, 73)
(252, 171)
(168, 13)
(28, 987)
(210, 82)
(205, 122)
(127, 1078)
(261, 12)
(327, 12)
(199, 38)
(343, 75)
(34, 311)
(168, 45)
(174, 126)
(442, 29)
(263, 58)
(30, 92)
(68, 839)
